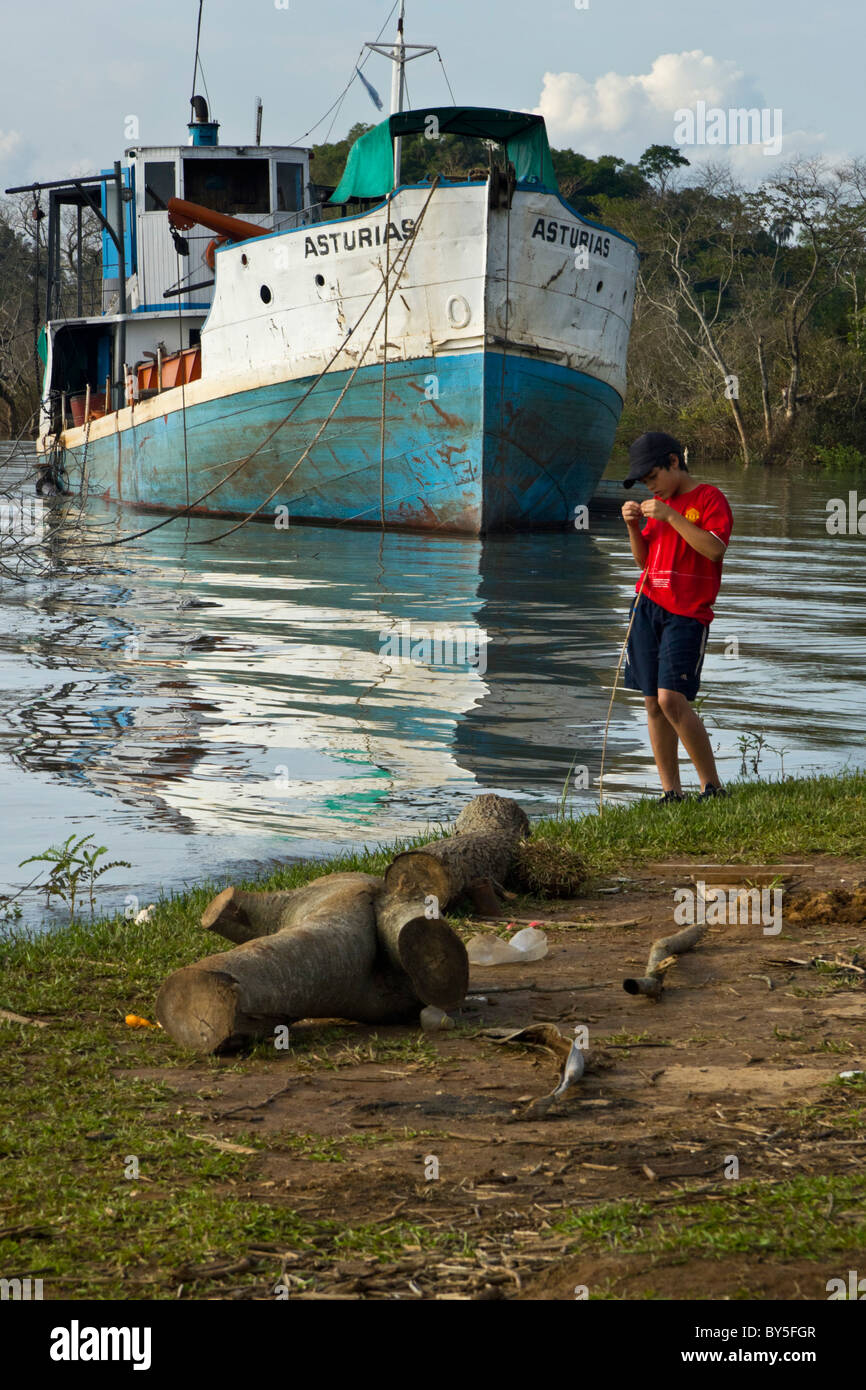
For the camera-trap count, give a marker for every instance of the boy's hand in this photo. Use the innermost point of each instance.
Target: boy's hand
(654, 507)
(631, 513)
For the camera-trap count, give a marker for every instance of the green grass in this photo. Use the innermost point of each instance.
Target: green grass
(750, 1219)
(73, 1112)
(73, 1116)
(759, 821)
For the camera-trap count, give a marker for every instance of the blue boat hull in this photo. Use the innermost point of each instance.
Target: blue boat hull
(474, 443)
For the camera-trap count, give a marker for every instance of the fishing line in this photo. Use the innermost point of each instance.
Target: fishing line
(181, 369)
(613, 692)
(384, 366)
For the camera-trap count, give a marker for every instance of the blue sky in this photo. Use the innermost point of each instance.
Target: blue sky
(608, 77)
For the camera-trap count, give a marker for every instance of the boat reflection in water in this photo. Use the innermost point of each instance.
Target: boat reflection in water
(318, 702)
(343, 687)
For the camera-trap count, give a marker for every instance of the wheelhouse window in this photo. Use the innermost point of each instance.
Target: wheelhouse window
(289, 187)
(159, 184)
(228, 185)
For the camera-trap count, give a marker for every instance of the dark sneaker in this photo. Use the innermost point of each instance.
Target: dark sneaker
(669, 798)
(711, 790)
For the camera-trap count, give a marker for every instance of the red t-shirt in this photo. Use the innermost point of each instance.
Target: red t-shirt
(678, 577)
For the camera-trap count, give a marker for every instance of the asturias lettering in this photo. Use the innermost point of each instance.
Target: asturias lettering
(331, 243)
(567, 234)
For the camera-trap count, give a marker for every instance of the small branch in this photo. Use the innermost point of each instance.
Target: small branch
(662, 956)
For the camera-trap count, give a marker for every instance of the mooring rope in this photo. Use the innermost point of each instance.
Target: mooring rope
(183, 511)
(613, 691)
(180, 358)
(320, 431)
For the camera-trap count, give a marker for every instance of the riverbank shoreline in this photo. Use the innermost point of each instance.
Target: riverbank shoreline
(306, 1173)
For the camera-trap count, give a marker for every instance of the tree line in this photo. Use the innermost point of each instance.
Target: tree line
(749, 332)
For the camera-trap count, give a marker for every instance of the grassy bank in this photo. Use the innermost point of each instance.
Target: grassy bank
(75, 1112)
(760, 821)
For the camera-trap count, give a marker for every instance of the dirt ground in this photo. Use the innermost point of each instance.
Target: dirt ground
(733, 1061)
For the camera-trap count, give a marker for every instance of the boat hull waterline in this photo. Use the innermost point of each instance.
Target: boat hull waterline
(504, 379)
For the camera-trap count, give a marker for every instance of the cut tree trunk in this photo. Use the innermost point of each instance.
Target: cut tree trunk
(488, 832)
(426, 948)
(328, 967)
(346, 945)
(242, 916)
(447, 868)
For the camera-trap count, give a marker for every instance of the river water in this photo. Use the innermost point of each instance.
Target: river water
(347, 688)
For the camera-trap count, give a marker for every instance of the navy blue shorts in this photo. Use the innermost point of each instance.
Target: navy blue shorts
(665, 650)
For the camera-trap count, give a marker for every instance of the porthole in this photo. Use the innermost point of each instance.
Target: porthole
(265, 294)
(599, 287)
(320, 280)
(244, 259)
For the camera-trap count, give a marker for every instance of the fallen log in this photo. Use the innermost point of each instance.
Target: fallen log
(483, 846)
(242, 916)
(345, 945)
(426, 948)
(416, 942)
(330, 966)
(663, 954)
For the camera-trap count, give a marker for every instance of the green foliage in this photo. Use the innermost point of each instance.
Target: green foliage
(658, 162)
(839, 456)
(759, 820)
(74, 871)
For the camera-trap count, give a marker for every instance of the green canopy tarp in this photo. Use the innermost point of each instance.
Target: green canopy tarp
(369, 171)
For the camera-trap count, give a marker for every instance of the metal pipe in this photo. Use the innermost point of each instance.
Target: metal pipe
(80, 310)
(120, 331)
(183, 215)
(53, 216)
(60, 183)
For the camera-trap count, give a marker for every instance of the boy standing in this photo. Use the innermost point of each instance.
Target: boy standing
(680, 548)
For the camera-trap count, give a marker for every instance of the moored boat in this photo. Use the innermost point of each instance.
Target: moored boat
(444, 355)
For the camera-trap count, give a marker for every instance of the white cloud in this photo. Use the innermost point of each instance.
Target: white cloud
(624, 113)
(10, 140)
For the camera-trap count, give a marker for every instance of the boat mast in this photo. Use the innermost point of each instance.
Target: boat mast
(400, 54)
(398, 87)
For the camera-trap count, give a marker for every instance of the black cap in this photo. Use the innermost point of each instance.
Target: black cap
(649, 452)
